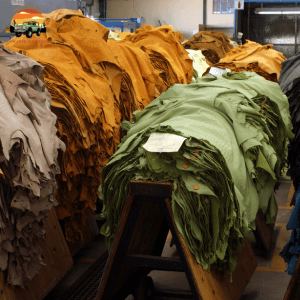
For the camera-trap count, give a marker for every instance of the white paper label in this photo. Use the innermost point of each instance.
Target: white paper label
(217, 71)
(164, 142)
(18, 2)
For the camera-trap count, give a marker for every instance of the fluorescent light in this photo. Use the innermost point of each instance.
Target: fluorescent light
(277, 11)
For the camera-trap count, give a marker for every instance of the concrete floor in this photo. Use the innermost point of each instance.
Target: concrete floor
(269, 281)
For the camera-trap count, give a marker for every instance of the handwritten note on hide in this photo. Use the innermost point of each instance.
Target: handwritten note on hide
(164, 142)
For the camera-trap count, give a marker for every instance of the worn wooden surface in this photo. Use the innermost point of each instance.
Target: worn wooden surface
(263, 233)
(114, 247)
(291, 196)
(58, 261)
(91, 231)
(293, 290)
(214, 285)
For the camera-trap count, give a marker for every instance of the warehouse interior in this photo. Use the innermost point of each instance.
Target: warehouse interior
(149, 150)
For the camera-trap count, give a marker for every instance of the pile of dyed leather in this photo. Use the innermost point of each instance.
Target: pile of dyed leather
(253, 57)
(28, 164)
(166, 53)
(84, 79)
(291, 250)
(141, 82)
(95, 84)
(236, 128)
(214, 45)
(289, 82)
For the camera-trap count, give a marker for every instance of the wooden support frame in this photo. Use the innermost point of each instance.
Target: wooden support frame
(264, 232)
(58, 261)
(292, 195)
(293, 290)
(139, 241)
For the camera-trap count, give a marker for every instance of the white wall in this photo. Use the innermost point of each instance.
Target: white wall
(221, 20)
(183, 15)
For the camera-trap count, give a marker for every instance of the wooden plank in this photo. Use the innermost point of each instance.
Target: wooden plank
(57, 263)
(150, 188)
(56, 246)
(293, 290)
(291, 197)
(154, 262)
(114, 247)
(214, 285)
(145, 236)
(91, 231)
(263, 233)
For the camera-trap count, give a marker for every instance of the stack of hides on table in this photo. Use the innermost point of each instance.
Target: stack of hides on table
(253, 57)
(28, 164)
(167, 55)
(237, 128)
(214, 45)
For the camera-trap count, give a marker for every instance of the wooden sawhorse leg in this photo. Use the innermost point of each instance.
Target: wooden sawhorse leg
(293, 290)
(264, 232)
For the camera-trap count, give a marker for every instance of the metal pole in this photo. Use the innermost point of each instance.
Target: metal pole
(296, 30)
(249, 21)
(235, 24)
(204, 12)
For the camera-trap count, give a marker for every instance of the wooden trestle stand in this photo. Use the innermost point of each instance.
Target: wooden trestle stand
(57, 259)
(138, 244)
(293, 290)
(263, 233)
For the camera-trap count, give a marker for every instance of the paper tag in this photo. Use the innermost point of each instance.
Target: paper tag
(217, 71)
(164, 142)
(18, 2)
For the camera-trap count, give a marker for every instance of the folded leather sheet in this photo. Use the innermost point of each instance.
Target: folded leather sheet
(95, 84)
(253, 57)
(199, 62)
(141, 82)
(166, 53)
(28, 163)
(214, 45)
(236, 128)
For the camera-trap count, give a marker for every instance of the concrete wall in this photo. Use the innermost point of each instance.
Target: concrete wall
(183, 15)
(221, 20)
